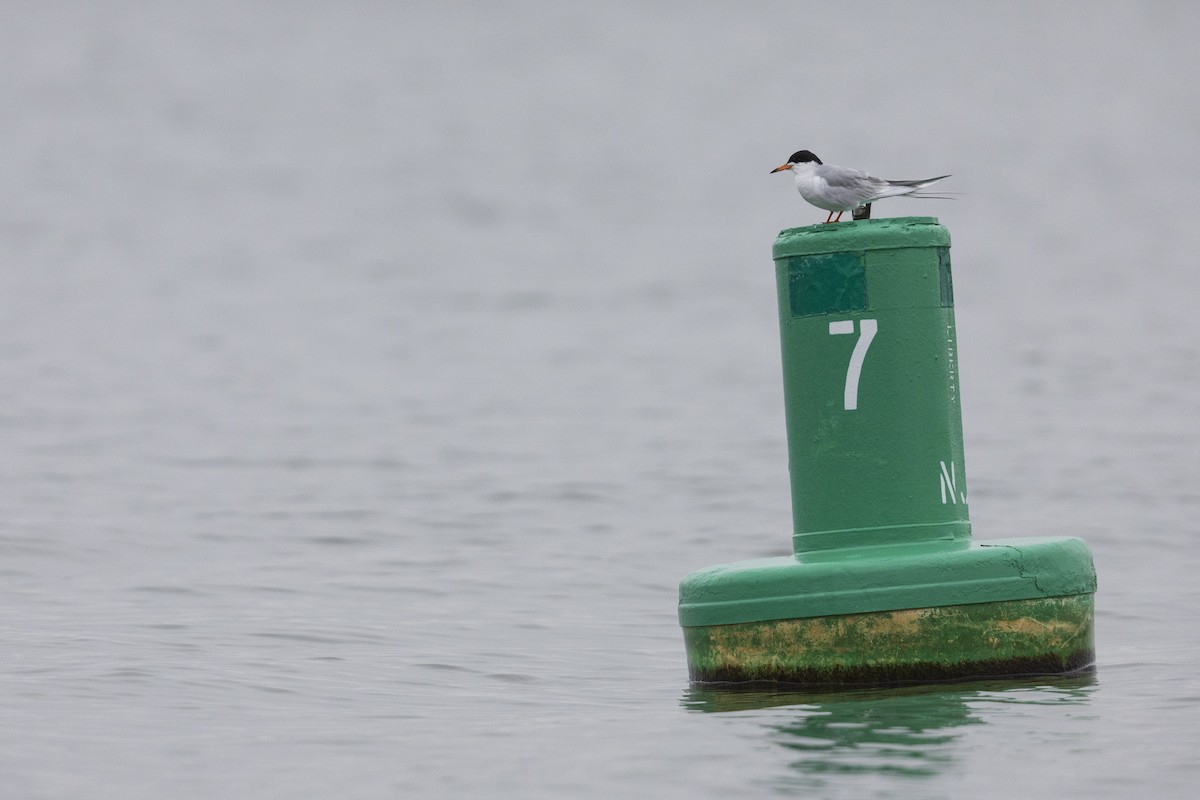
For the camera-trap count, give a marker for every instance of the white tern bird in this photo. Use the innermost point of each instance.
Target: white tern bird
(841, 189)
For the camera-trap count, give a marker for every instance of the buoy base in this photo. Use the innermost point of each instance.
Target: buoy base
(1040, 636)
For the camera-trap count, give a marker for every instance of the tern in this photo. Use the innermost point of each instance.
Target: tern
(841, 189)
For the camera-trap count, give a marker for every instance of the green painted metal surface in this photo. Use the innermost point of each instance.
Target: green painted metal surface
(853, 581)
(881, 532)
(870, 375)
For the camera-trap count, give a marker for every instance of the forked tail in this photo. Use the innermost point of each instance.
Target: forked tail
(913, 189)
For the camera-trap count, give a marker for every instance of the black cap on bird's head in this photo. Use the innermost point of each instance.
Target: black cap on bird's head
(798, 157)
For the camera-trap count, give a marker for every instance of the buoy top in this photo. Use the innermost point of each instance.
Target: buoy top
(861, 235)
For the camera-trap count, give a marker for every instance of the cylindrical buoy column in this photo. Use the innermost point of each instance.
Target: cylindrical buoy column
(870, 372)
(885, 584)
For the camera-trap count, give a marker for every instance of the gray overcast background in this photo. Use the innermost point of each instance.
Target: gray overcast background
(371, 372)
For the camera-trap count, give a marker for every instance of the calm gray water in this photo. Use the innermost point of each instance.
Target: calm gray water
(371, 373)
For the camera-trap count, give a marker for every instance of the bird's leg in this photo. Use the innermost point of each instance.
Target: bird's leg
(829, 218)
(839, 216)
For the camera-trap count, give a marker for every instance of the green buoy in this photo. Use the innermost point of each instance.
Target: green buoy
(885, 585)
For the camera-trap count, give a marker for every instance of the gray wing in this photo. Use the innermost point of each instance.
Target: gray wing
(849, 187)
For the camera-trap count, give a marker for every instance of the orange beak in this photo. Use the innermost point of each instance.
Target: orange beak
(780, 168)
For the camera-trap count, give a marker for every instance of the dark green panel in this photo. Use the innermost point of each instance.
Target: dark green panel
(947, 283)
(826, 283)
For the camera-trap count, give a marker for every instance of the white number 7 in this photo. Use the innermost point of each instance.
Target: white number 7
(866, 333)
